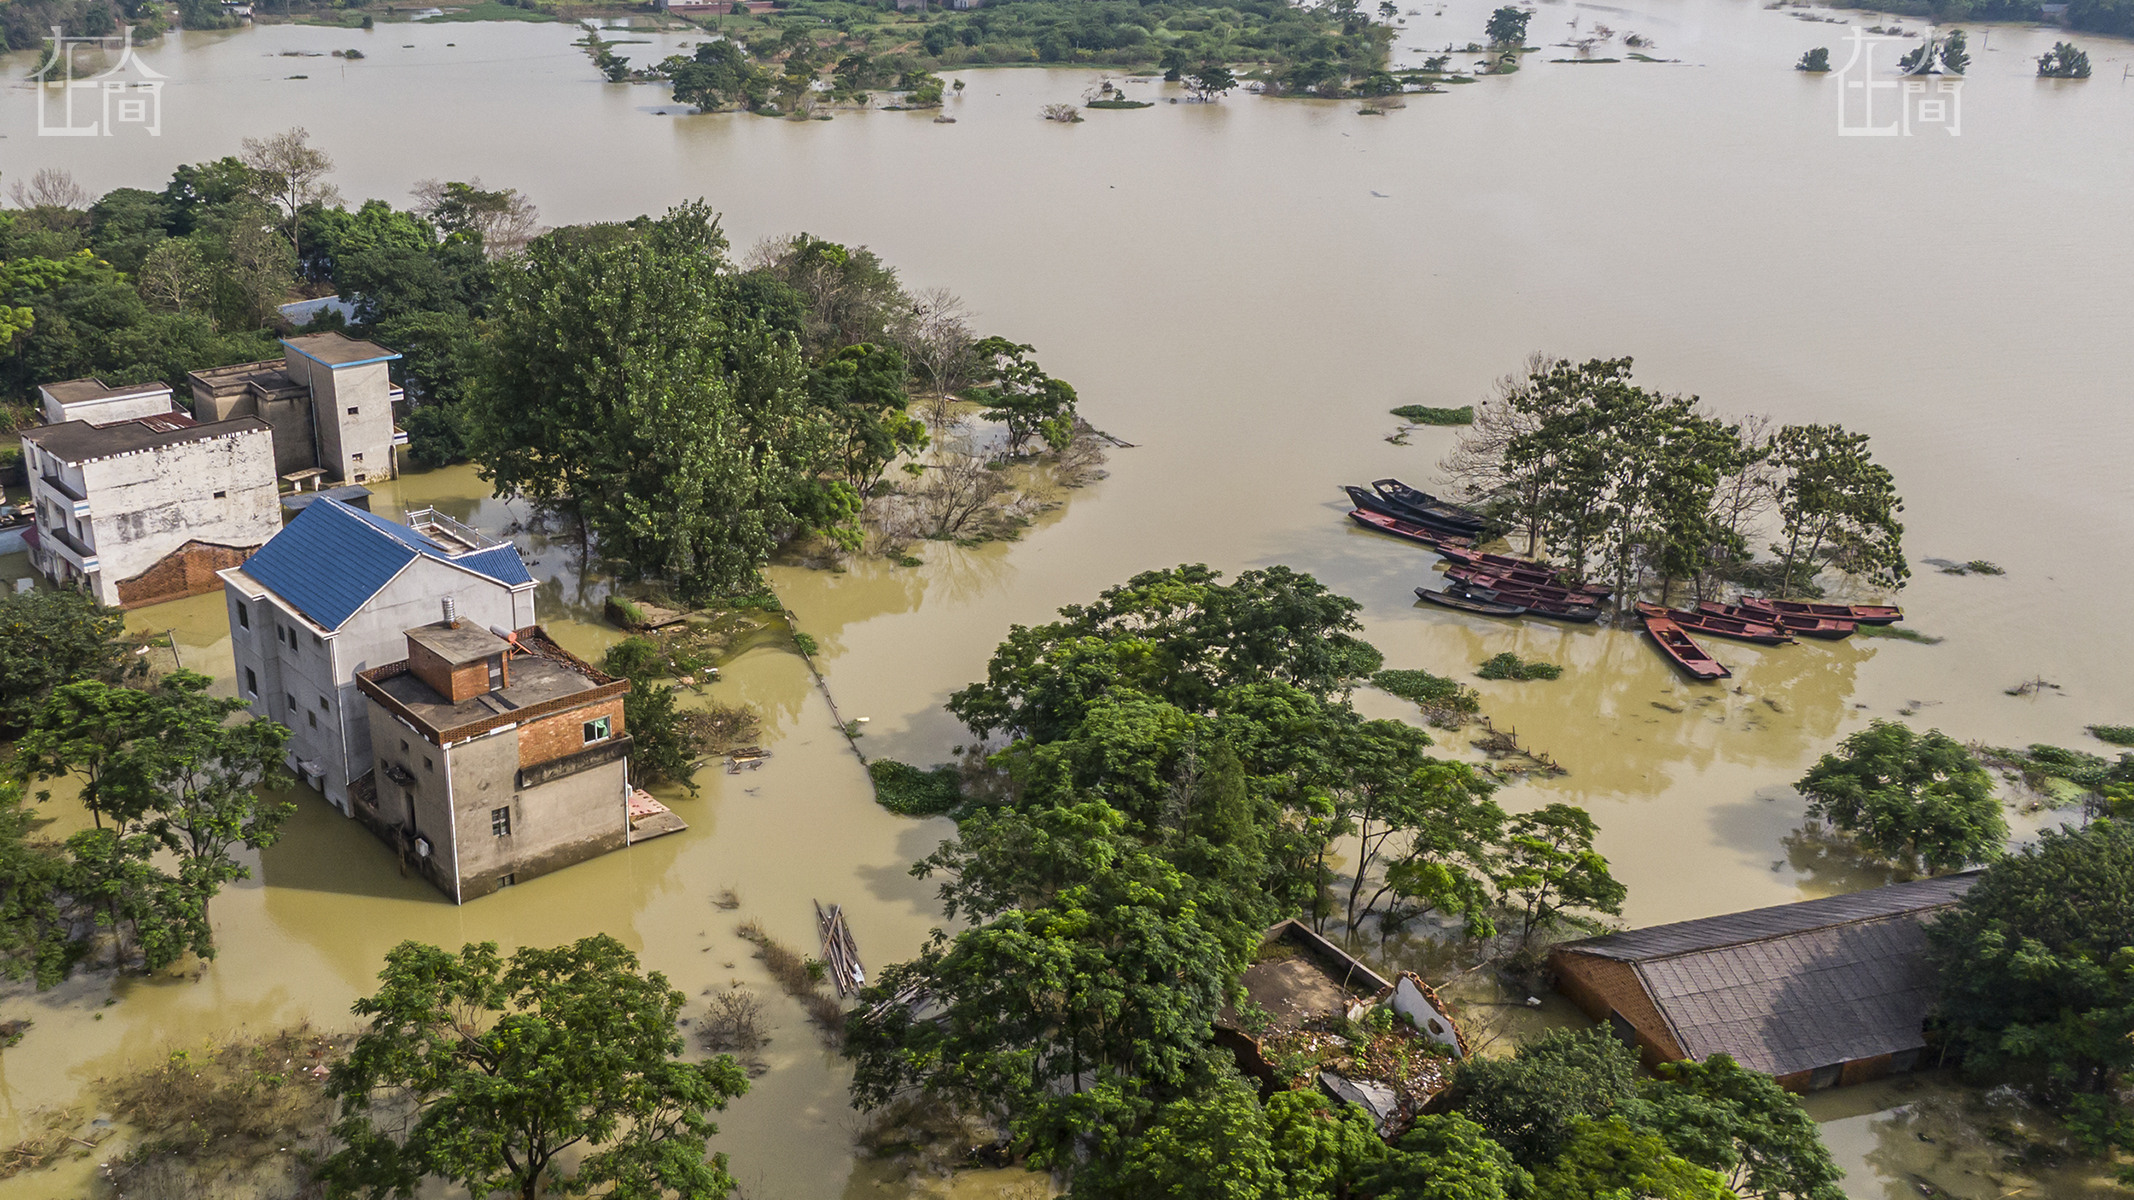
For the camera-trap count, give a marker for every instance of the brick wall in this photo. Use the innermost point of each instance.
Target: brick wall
(550, 738)
(1599, 985)
(463, 682)
(187, 571)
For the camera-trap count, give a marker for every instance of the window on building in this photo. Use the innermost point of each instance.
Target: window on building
(251, 683)
(500, 821)
(222, 495)
(323, 706)
(292, 704)
(313, 718)
(596, 730)
(244, 616)
(426, 765)
(505, 881)
(316, 640)
(352, 412)
(355, 458)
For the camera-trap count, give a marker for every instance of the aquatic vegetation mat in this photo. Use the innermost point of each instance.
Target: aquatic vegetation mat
(1510, 666)
(1423, 414)
(907, 790)
(1446, 703)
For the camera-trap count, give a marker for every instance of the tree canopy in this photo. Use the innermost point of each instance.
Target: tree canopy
(1918, 800)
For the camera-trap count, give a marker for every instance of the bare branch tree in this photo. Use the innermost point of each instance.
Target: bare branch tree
(505, 220)
(1474, 468)
(934, 334)
(290, 173)
(174, 278)
(50, 187)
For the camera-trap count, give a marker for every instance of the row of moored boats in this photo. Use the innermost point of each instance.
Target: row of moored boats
(1499, 585)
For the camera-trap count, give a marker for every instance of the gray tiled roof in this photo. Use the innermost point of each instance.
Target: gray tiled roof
(1757, 924)
(1798, 986)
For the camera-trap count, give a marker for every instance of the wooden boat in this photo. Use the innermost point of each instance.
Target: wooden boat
(1810, 627)
(1370, 501)
(1763, 633)
(1488, 608)
(1478, 577)
(1399, 528)
(1421, 503)
(1864, 614)
(1504, 566)
(839, 950)
(1538, 606)
(1683, 652)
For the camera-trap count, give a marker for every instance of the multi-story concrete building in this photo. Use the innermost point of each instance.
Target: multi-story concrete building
(144, 506)
(328, 399)
(497, 758)
(329, 596)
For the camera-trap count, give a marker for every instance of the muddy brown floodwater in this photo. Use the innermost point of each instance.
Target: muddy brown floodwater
(1243, 290)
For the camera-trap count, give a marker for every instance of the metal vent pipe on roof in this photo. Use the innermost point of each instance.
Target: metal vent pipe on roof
(451, 613)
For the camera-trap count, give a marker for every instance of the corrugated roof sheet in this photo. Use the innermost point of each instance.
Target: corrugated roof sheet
(1731, 929)
(1804, 1001)
(332, 558)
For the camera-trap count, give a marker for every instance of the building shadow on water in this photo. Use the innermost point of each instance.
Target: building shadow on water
(322, 851)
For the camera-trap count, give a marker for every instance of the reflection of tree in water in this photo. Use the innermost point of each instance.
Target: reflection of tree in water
(1948, 1140)
(1829, 864)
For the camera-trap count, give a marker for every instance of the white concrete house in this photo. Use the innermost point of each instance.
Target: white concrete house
(329, 399)
(93, 401)
(333, 594)
(145, 509)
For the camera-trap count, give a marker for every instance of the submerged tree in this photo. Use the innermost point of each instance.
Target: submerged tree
(1549, 873)
(486, 1073)
(1817, 60)
(2063, 61)
(1835, 500)
(1917, 800)
(1507, 26)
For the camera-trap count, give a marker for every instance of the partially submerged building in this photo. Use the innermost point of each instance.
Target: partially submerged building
(137, 504)
(330, 595)
(498, 757)
(1818, 994)
(1389, 1046)
(329, 400)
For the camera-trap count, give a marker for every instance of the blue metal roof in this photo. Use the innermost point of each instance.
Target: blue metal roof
(332, 558)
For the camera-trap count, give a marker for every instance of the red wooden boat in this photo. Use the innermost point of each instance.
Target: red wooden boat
(1408, 530)
(1536, 606)
(1473, 604)
(1683, 652)
(1504, 566)
(1485, 577)
(1810, 627)
(1763, 633)
(1864, 614)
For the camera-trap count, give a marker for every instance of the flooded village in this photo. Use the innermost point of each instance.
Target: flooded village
(899, 791)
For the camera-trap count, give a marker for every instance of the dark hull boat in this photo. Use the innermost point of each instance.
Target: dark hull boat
(1399, 528)
(1372, 502)
(1525, 570)
(1864, 614)
(1684, 653)
(1488, 608)
(1763, 633)
(1538, 606)
(1424, 506)
(1478, 577)
(1793, 623)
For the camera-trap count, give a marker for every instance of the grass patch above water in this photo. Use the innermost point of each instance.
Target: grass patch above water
(2118, 735)
(1422, 414)
(487, 10)
(1120, 104)
(905, 789)
(1446, 703)
(1899, 632)
(1510, 666)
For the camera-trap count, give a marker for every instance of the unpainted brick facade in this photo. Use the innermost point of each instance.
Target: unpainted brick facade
(554, 737)
(188, 571)
(1601, 986)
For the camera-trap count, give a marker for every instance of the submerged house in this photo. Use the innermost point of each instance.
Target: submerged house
(497, 756)
(1822, 993)
(330, 595)
(1387, 1046)
(329, 400)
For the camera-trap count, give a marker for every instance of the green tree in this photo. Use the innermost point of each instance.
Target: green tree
(1740, 1123)
(1835, 498)
(37, 937)
(660, 749)
(116, 874)
(619, 377)
(1550, 874)
(482, 1072)
(1609, 1160)
(87, 730)
(1021, 396)
(2063, 61)
(1955, 56)
(1532, 1102)
(861, 388)
(1917, 800)
(51, 637)
(1209, 81)
(1507, 26)
(1817, 60)
(205, 771)
(1447, 1158)
(1325, 1151)
(2037, 974)
(1216, 1147)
